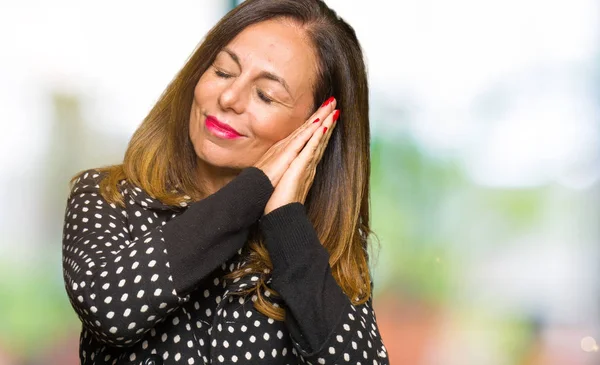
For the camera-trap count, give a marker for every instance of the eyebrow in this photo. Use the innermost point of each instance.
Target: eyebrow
(264, 74)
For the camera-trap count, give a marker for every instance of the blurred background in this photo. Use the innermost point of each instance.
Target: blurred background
(485, 152)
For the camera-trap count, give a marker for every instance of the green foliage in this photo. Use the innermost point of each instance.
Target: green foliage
(34, 306)
(428, 215)
(407, 190)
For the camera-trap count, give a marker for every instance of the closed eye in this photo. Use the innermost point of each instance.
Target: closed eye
(261, 95)
(264, 97)
(222, 74)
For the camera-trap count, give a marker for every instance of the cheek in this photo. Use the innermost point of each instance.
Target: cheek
(205, 88)
(272, 126)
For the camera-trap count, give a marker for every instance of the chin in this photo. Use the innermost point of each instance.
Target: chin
(220, 159)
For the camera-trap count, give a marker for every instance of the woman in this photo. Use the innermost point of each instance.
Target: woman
(230, 233)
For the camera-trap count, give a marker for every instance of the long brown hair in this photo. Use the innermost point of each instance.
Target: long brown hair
(160, 155)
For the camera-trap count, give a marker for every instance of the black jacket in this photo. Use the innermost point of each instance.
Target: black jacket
(147, 281)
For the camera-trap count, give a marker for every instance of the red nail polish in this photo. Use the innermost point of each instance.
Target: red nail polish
(336, 115)
(327, 101)
(324, 129)
(316, 120)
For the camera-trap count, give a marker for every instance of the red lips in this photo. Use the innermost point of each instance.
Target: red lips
(220, 129)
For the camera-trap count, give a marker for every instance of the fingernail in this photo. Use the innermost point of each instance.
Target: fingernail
(336, 115)
(316, 120)
(328, 101)
(324, 129)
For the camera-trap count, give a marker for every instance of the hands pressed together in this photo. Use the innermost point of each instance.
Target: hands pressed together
(291, 163)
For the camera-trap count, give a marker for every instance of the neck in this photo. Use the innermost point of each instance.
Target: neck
(212, 178)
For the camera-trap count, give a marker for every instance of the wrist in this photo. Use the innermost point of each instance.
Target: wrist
(271, 207)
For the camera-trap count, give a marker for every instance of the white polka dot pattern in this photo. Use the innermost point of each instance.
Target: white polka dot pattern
(357, 341)
(119, 280)
(117, 274)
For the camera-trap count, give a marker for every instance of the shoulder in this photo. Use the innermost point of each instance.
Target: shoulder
(87, 193)
(87, 181)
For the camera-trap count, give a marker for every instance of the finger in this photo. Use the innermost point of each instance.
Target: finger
(316, 118)
(289, 150)
(308, 155)
(329, 123)
(298, 144)
(293, 144)
(324, 110)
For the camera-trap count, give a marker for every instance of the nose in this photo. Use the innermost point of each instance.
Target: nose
(234, 97)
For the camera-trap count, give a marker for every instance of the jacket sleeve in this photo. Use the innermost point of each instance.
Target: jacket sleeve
(121, 288)
(325, 326)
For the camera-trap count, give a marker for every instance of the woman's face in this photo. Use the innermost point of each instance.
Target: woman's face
(261, 85)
